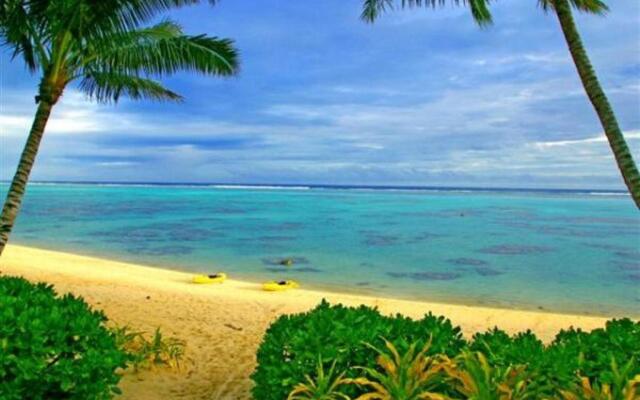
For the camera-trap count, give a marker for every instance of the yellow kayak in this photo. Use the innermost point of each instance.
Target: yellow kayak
(215, 278)
(274, 286)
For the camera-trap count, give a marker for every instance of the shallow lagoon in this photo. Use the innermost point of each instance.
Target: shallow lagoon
(557, 251)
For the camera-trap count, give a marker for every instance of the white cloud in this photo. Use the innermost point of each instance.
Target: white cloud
(631, 135)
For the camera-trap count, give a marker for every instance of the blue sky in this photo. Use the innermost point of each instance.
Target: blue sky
(422, 97)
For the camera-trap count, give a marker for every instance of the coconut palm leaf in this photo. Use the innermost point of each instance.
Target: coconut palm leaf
(105, 88)
(588, 6)
(104, 46)
(372, 9)
(562, 9)
(163, 50)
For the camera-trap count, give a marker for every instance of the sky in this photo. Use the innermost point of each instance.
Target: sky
(421, 97)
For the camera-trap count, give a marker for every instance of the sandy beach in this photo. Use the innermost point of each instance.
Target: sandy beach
(223, 324)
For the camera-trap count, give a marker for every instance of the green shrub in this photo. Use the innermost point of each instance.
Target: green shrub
(573, 353)
(543, 372)
(591, 354)
(293, 344)
(604, 359)
(53, 347)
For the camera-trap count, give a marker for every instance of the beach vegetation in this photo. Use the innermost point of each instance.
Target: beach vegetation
(378, 356)
(293, 344)
(324, 386)
(107, 48)
(412, 375)
(146, 352)
(472, 377)
(598, 354)
(54, 347)
(562, 9)
(624, 390)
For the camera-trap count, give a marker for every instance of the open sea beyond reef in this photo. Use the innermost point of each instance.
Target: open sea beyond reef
(567, 251)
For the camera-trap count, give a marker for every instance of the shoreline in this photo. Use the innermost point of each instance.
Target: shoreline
(224, 324)
(347, 290)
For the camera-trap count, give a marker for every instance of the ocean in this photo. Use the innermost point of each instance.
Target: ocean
(554, 250)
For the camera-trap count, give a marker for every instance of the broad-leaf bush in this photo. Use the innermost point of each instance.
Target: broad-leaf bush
(575, 363)
(293, 344)
(592, 352)
(54, 347)
(544, 371)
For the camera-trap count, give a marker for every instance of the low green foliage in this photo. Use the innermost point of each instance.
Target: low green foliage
(409, 376)
(145, 352)
(54, 347)
(601, 364)
(293, 343)
(545, 370)
(325, 385)
(591, 353)
(624, 390)
(472, 377)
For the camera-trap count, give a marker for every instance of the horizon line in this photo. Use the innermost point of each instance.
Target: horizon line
(327, 185)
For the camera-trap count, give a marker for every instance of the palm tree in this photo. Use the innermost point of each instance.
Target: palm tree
(101, 45)
(562, 8)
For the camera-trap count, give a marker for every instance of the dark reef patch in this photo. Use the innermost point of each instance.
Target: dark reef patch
(424, 237)
(426, 276)
(518, 224)
(459, 213)
(628, 254)
(519, 211)
(171, 232)
(191, 234)
(568, 232)
(129, 235)
(161, 251)
(604, 246)
(514, 249)
(488, 271)
(596, 220)
(285, 226)
(307, 269)
(467, 261)
(367, 264)
(633, 277)
(266, 240)
(363, 283)
(228, 210)
(628, 266)
(79, 241)
(274, 238)
(278, 260)
(375, 239)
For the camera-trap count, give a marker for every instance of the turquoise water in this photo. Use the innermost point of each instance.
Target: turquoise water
(569, 252)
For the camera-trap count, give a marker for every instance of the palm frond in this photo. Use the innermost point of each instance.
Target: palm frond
(162, 49)
(598, 7)
(372, 9)
(15, 32)
(108, 87)
(132, 13)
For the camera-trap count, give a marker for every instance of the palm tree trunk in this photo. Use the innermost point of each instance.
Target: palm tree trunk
(599, 100)
(19, 183)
